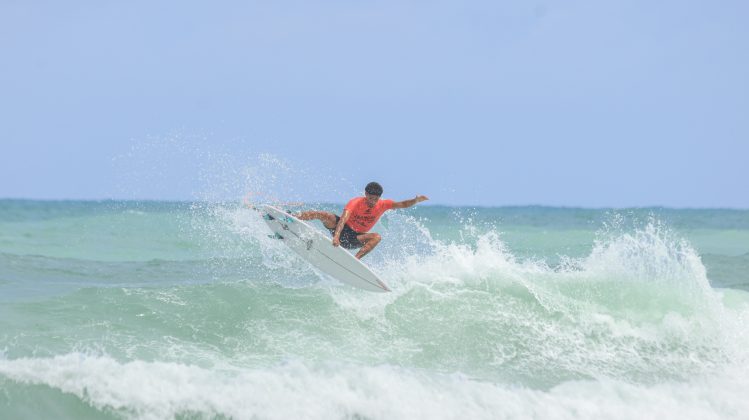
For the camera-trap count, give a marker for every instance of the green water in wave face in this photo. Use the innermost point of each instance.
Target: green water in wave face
(524, 297)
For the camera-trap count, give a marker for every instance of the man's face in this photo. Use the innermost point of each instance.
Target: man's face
(371, 199)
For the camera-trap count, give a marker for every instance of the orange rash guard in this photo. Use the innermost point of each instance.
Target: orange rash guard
(362, 217)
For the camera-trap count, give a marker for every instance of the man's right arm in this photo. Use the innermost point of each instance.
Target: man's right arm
(339, 228)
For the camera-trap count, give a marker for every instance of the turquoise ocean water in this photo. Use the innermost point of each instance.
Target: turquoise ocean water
(153, 310)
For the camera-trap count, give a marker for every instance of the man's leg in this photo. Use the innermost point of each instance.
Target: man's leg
(327, 218)
(370, 240)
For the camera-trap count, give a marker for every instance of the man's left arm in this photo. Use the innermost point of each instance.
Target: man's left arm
(409, 203)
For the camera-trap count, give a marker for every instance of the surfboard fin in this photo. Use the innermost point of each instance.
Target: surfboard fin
(275, 236)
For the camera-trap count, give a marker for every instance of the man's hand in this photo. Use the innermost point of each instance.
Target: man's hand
(420, 198)
(336, 241)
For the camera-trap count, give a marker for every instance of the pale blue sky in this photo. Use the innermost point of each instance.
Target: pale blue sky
(576, 103)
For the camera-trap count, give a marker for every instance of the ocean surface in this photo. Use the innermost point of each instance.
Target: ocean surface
(153, 310)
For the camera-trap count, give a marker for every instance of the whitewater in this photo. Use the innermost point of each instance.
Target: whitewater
(152, 310)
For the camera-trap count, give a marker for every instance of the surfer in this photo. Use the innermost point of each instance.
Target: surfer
(351, 229)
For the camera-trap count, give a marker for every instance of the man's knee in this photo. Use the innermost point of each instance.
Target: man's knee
(328, 219)
(374, 238)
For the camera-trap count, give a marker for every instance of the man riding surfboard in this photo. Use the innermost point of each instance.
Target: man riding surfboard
(351, 229)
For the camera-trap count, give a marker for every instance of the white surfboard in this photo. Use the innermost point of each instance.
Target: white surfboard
(318, 250)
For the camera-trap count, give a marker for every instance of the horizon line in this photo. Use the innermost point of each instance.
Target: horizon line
(239, 201)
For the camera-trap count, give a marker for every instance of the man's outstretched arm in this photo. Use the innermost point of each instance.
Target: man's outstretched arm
(408, 203)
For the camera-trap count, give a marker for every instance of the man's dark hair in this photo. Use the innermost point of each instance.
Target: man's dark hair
(374, 189)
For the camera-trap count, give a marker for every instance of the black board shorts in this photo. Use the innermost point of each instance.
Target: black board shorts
(348, 236)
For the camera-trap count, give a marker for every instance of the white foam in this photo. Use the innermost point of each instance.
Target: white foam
(652, 259)
(638, 308)
(156, 390)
